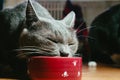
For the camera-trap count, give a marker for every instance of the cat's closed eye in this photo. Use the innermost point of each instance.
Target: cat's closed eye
(52, 40)
(70, 44)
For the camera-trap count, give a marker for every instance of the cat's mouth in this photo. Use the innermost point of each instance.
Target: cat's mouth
(28, 51)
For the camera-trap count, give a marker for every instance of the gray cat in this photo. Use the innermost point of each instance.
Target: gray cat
(28, 30)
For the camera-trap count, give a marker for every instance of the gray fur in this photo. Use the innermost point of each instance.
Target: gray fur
(29, 29)
(47, 28)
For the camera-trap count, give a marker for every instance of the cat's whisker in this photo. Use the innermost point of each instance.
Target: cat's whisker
(31, 47)
(39, 54)
(86, 37)
(79, 27)
(33, 51)
(84, 29)
(26, 50)
(28, 54)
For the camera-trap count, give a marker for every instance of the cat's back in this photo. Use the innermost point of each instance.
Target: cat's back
(11, 17)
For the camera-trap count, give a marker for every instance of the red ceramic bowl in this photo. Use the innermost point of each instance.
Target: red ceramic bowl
(55, 68)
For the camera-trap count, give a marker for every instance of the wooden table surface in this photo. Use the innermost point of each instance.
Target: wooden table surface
(101, 72)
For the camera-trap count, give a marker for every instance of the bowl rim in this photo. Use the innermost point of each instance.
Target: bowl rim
(57, 57)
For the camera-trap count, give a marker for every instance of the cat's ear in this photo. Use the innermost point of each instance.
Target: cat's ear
(33, 13)
(70, 19)
(30, 14)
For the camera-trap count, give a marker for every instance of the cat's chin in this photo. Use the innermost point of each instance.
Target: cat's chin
(70, 55)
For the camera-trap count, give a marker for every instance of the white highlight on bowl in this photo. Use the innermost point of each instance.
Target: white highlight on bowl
(65, 74)
(78, 74)
(75, 63)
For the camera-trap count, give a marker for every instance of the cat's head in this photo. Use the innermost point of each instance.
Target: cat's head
(43, 34)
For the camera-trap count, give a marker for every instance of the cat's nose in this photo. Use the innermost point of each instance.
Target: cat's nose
(63, 54)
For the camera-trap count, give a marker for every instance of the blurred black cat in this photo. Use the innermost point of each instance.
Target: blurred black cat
(28, 29)
(106, 46)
